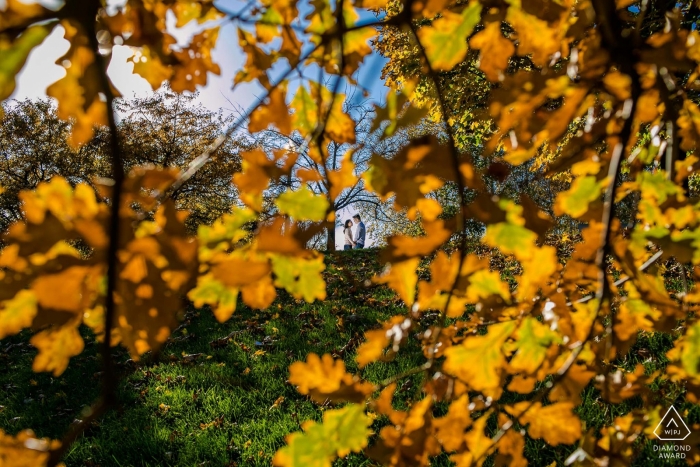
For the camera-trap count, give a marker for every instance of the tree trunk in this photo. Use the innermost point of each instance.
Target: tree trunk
(330, 239)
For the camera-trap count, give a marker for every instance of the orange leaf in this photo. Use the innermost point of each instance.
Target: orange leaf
(326, 379)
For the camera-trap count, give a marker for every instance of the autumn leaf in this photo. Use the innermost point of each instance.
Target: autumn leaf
(25, 449)
(342, 431)
(556, 423)
(303, 204)
(532, 339)
(209, 291)
(326, 379)
(479, 360)
(17, 313)
(301, 277)
(56, 346)
(14, 54)
(495, 50)
(575, 201)
(402, 278)
(445, 40)
(273, 111)
(78, 92)
(449, 430)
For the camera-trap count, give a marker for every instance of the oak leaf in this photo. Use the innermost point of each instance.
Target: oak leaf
(323, 379)
(342, 431)
(495, 50)
(445, 40)
(56, 346)
(556, 423)
(479, 360)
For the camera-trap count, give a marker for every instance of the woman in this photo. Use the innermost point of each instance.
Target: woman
(347, 230)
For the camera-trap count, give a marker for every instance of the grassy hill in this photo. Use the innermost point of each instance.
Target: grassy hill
(216, 395)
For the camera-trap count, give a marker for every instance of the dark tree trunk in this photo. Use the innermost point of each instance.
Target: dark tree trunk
(330, 239)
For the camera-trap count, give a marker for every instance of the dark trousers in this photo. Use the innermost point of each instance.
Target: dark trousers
(347, 247)
(359, 246)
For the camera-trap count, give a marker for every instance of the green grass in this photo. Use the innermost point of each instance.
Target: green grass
(210, 401)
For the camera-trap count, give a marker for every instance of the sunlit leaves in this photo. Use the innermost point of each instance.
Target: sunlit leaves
(575, 201)
(303, 205)
(14, 53)
(342, 431)
(478, 361)
(532, 341)
(25, 449)
(301, 277)
(79, 93)
(445, 40)
(495, 50)
(555, 423)
(323, 379)
(17, 313)
(56, 346)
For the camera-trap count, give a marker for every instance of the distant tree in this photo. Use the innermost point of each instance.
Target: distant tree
(167, 129)
(164, 129)
(33, 148)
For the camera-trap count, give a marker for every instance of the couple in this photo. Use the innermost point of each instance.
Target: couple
(358, 241)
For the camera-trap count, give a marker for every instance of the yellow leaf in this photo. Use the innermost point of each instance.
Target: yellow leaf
(13, 54)
(63, 291)
(17, 313)
(344, 177)
(556, 423)
(532, 341)
(495, 50)
(575, 201)
(26, 450)
(259, 294)
(303, 205)
(237, 271)
(273, 111)
(479, 360)
(449, 430)
(56, 346)
(402, 278)
(326, 379)
(445, 40)
(78, 92)
(535, 36)
(209, 291)
(483, 284)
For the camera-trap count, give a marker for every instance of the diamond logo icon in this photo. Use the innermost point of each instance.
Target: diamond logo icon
(672, 427)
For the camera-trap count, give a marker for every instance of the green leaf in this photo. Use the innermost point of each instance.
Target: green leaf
(511, 239)
(211, 292)
(483, 284)
(445, 41)
(13, 55)
(657, 186)
(305, 115)
(690, 350)
(303, 205)
(533, 339)
(575, 201)
(342, 431)
(299, 276)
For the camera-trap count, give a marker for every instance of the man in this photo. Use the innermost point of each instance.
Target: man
(359, 232)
